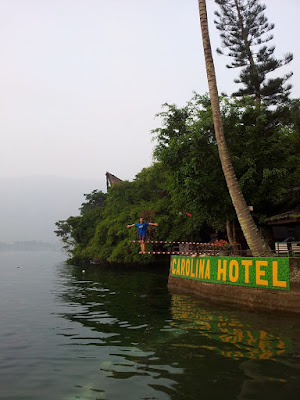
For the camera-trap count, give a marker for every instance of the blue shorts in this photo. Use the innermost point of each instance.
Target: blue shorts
(142, 237)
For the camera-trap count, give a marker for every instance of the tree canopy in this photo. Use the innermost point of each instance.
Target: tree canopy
(265, 148)
(245, 33)
(187, 178)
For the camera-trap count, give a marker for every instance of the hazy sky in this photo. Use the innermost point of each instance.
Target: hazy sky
(82, 80)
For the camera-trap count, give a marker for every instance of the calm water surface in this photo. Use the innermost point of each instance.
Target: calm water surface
(117, 333)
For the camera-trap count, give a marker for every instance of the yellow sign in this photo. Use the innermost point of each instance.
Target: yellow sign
(268, 273)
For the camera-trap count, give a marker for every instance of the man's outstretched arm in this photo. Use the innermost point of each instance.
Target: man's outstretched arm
(130, 226)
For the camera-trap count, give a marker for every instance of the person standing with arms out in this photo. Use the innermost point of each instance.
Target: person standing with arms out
(142, 230)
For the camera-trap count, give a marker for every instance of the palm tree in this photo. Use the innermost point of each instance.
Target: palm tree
(256, 243)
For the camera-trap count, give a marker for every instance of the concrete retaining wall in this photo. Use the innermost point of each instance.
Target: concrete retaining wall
(241, 296)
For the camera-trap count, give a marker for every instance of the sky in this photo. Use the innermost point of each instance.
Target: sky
(82, 80)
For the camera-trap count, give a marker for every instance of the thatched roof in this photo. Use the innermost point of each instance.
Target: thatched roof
(285, 218)
(112, 180)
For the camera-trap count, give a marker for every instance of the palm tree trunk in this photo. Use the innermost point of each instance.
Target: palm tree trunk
(233, 231)
(229, 232)
(256, 243)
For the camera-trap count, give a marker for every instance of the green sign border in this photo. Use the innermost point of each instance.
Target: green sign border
(258, 272)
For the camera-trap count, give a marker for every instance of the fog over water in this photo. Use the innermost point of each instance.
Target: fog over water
(29, 207)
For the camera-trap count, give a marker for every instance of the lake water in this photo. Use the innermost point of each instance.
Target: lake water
(117, 333)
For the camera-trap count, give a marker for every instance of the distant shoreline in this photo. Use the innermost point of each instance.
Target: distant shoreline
(32, 245)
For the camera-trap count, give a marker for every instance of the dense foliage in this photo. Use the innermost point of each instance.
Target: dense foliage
(185, 190)
(263, 149)
(187, 177)
(101, 234)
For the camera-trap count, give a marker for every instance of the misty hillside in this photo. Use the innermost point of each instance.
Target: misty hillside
(30, 206)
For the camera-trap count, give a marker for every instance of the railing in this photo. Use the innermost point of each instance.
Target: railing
(282, 249)
(191, 248)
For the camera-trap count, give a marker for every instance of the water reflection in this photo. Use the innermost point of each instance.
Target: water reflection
(122, 313)
(262, 342)
(147, 343)
(232, 337)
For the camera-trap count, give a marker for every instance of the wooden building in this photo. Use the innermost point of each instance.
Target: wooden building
(285, 225)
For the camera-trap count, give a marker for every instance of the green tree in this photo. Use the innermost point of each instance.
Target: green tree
(186, 145)
(266, 166)
(100, 233)
(263, 146)
(93, 200)
(245, 32)
(64, 232)
(111, 240)
(76, 232)
(188, 177)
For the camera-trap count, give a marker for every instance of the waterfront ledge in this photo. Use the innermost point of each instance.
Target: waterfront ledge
(252, 282)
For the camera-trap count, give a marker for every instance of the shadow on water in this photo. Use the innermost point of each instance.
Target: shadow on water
(149, 343)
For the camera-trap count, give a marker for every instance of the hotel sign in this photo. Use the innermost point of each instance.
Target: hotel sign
(266, 273)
